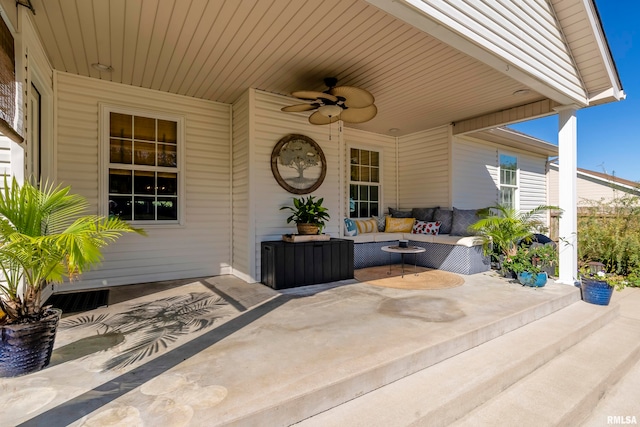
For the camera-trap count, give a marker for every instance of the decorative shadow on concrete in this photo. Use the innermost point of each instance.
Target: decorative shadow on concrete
(74, 409)
(151, 327)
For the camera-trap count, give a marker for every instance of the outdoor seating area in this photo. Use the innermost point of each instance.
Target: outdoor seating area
(271, 357)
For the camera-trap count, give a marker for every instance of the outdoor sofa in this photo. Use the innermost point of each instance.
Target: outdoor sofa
(443, 233)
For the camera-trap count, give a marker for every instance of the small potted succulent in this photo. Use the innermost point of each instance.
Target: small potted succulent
(308, 214)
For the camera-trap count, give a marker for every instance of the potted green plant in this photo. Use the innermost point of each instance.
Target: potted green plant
(308, 214)
(504, 228)
(597, 286)
(44, 238)
(529, 263)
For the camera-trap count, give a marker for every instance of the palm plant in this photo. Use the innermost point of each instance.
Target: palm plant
(504, 228)
(44, 238)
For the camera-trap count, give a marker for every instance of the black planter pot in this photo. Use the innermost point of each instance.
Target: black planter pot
(596, 291)
(27, 347)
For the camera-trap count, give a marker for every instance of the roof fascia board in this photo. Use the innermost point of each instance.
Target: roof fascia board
(410, 12)
(603, 48)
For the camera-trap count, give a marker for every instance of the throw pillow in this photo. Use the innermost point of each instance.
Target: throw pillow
(381, 220)
(426, 227)
(366, 225)
(445, 216)
(399, 214)
(350, 228)
(423, 214)
(399, 225)
(462, 219)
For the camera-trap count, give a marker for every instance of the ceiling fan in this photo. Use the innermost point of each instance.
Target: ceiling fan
(347, 103)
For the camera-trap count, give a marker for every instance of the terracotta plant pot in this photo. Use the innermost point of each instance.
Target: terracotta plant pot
(307, 229)
(27, 347)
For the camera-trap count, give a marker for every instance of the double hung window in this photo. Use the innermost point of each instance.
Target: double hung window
(508, 181)
(144, 170)
(364, 183)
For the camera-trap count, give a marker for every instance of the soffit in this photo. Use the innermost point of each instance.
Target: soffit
(215, 50)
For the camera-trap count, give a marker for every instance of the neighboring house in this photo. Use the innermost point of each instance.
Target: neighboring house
(593, 186)
(178, 110)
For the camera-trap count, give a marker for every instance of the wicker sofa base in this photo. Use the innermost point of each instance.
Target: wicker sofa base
(454, 258)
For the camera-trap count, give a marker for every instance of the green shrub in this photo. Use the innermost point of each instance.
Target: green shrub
(609, 232)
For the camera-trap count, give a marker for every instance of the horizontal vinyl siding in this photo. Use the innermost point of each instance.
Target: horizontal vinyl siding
(525, 34)
(242, 249)
(423, 169)
(5, 155)
(199, 248)
(475, 174)
(533, 181)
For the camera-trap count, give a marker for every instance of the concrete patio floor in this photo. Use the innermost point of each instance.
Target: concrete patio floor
(217, 351)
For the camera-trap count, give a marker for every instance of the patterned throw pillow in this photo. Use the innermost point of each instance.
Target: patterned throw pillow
(426, 227)
(399, 225)
(381, 220)
(445, 216)
(366, 225)
(462, 219)
(399, 214)
(423, 214)
(350, 228)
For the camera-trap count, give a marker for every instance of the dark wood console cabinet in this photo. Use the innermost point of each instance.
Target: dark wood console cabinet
(287, 265)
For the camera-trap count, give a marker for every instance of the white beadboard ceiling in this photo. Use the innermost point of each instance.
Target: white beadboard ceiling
(215, 50)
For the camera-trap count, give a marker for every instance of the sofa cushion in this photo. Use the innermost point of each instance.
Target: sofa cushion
(386, 237)
(426, 238)
(426, 227)
(468, 241)
(461, 221)
(445, 216)
(350, 228)
(381, 220)
(399, 225)
(375, 237)
(366, 225)
(423, 214)
(399, 214)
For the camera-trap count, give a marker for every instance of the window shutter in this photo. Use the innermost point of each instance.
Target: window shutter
(10, 122)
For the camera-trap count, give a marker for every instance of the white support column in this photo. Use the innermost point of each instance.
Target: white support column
(567, 191)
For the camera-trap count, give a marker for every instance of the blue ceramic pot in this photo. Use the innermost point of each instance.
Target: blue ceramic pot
(596, 291)
(529, 279)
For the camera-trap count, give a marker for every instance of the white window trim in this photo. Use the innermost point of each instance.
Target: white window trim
(103, 176)
(380, 151)
(517, 186)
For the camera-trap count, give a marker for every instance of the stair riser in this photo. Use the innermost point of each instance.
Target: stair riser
(316, 401)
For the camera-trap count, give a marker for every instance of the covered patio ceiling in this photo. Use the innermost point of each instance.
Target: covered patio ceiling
(215, 50)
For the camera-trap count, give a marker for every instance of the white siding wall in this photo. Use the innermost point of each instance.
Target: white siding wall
(243, 237)
(5, 156)
(475, 174)
(269, 126)
(476, 180)
(525, 34)
(423, 169)
(199, 248)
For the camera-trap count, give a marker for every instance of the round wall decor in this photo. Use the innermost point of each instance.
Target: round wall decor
(298, 164)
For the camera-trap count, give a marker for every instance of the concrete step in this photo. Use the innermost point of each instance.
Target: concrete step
(567, 389)
(443, 393)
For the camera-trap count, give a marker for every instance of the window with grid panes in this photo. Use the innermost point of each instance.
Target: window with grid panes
(364, 183)
(508, 180)
(143, 169)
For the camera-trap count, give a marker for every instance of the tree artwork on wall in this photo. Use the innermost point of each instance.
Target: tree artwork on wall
(298, 164)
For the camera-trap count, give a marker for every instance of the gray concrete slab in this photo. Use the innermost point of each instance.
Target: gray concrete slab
(221, 351)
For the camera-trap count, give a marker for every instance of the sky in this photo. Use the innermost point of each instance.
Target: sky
(609, 134)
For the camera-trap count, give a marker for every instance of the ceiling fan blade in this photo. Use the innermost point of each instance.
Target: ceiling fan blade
(359, 115)
(320, 119)
(313, 95)
(299, 107)
(354, 96)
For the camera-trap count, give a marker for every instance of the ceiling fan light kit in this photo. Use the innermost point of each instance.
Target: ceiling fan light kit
(347, 103)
